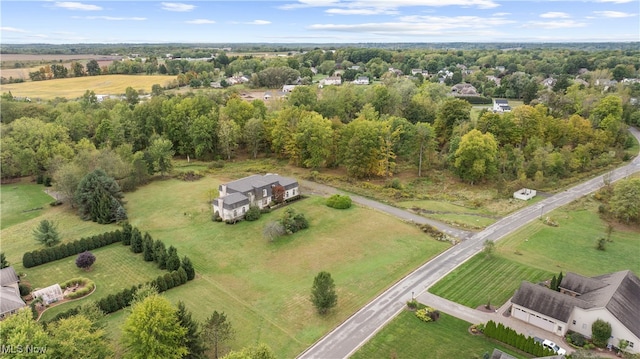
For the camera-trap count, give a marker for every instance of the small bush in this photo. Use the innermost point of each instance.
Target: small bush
(253, 214)
(190, 176)
(577, 339)
(55, 203)
(412, 304)
(339, 201)
(427, 314)
(216, 164)
(601, 244)
(394, 183)
(24, 288)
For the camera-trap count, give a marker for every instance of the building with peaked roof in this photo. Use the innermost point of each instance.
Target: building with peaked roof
(613, 297)
(501, 105)
(10, 299)
(236, 197)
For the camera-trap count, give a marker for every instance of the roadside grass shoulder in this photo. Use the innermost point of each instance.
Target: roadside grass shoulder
(406, 336)
(485, 279)
(21, 202)
(571, 246)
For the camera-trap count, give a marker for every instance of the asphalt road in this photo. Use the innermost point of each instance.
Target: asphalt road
(344, 340)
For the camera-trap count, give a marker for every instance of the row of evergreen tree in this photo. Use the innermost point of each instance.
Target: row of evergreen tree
(519, 341)
(114, 302)
(50, 254)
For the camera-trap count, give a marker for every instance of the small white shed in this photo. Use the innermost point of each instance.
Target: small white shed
(524, 194)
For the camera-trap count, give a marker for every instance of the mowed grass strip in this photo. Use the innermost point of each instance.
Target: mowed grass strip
(408, 337)
(76, 86)
(483, 279)
(116, 268)
(19, 202)
(572, 245)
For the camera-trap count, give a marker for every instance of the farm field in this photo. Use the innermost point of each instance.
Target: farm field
(406, 336)
(483, 279)
(75, 87)
(262, 286)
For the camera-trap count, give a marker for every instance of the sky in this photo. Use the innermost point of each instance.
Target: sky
(319, 21)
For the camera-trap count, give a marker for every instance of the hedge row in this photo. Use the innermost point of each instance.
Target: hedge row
(519, 341)
(476, 100)
(122, 299)
(50, 254)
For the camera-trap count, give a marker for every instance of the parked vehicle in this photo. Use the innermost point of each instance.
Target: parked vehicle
(553, 346)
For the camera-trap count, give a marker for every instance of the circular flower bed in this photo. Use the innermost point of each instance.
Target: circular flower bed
(77, 287)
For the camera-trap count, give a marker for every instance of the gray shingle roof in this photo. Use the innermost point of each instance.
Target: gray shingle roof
(10, 300)
(246, 184)
(618, 292)
(546, 301)
(234, 200)
(8, 276)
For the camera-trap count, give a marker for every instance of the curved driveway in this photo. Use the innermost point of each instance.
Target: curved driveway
(344, 340)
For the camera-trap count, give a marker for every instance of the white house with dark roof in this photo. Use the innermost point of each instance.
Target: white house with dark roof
(236, 197)
(10, 299)
(613, 297)
(501, 105)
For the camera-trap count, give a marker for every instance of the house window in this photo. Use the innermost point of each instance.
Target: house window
(286, 194)
(574, 322)
(630, 344)
(244, 209)
(264, 192)
(235, 212)
(293, 192)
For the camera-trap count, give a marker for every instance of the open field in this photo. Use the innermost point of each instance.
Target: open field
(20, 202)
(483, 279)
(76, 86)
(408, 337)
(263, 287)
(580, 226)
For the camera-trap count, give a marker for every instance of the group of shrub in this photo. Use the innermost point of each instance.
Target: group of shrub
(293, 222)
(87, 284)
(339, 201)
(519, 341)
(50, 254)
(427, 314)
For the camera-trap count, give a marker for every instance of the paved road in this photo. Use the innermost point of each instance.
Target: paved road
(344, 340)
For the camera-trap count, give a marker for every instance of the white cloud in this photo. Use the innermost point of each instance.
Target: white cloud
(417, 25)
(176, 6)
(72, 5)
(613, 14)
(385, 6)
(555, 15)
(339, 11)
(110, 18)
(11, 29)
(200, 21)
(560, 24)
(502, 14)
(616, 1)
(258, 22)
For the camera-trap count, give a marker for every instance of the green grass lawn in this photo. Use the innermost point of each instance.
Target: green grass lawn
(408, 337)
(483, 279)
(262, 286)
(116, 268)
(572, 245)
(20, 202)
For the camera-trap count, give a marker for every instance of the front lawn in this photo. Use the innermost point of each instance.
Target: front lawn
(482, 279)
(406, 336)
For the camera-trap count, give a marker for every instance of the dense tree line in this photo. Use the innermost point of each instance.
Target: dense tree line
(369, 130)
